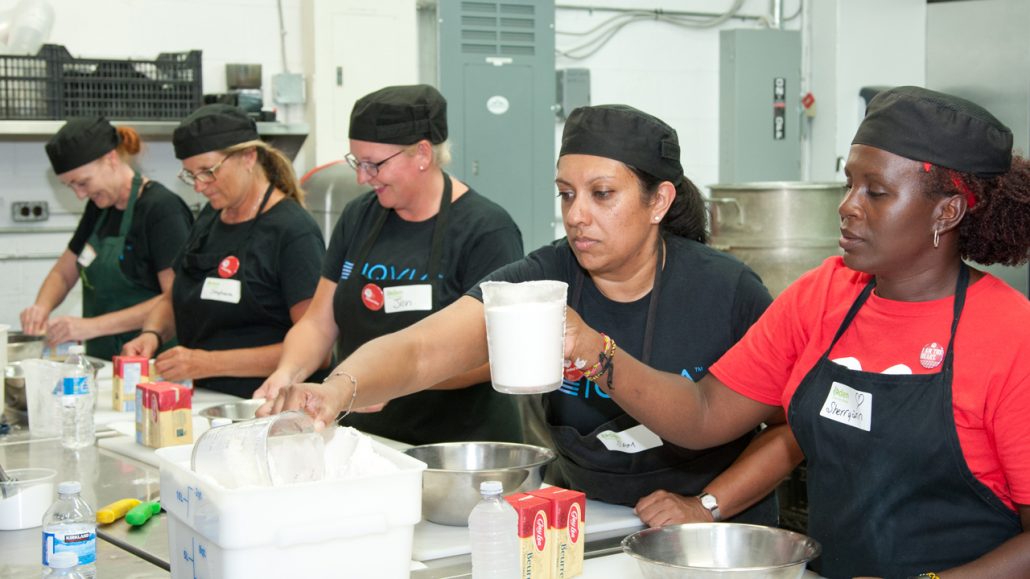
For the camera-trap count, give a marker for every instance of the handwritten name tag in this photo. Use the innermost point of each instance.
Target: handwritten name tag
(632, 440)
(221, 290)
(407, 298)
(848, 406)
(87, 255)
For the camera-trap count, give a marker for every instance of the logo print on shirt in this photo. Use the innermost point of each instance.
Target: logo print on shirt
(372, 297)
(348, 266)
(590, 388)
(932, 355)
(228, 267)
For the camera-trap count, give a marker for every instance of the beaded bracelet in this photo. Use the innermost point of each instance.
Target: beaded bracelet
(604, 363)
(354, 393)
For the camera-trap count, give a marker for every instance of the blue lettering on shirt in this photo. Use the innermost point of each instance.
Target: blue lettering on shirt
(699, 371)
(384, 272)
(571, 388)
(348, 267)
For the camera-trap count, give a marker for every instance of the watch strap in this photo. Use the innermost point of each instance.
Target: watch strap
(711, 504)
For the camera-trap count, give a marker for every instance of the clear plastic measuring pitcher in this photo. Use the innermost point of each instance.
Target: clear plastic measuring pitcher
(271, 451)
(525, 334)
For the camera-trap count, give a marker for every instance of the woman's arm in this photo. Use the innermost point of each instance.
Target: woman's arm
(181, 363)
(307, 344)
(763, 465)
(688, 414)
(436, 348)
(56, 285)
(65, 328)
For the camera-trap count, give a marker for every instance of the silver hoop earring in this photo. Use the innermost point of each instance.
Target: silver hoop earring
(936, 238)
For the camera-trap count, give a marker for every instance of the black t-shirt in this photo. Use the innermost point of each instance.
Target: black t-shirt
(480, 237)
(160, 225)
(707, 302)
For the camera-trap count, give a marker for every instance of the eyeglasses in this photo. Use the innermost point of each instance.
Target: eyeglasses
(206, 176)
(371, 169)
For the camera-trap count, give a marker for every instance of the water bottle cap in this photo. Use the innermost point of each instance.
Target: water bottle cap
(69, 487)
(76, 349)
(491, 487)
(64, 560)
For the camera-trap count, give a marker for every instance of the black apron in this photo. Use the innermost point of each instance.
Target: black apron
(207, 324)
(105, 288)
(624, 478)
(431, 415)
(899, 499)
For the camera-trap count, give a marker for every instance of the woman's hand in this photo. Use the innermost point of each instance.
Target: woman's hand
(69, 328)
(270, 388)
(662, 508)
(143, 345)
(179, 364)
(322, 402)
(582, 343)
(34, 319)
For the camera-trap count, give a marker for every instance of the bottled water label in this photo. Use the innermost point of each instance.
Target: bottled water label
(75, 385)
(78, 539)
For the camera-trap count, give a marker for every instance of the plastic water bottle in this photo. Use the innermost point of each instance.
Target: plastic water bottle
(65, 564)
(70, 525)
(493, 533)
(78, 398)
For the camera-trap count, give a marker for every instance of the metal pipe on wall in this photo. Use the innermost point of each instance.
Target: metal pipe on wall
(776, 14)
(656, 11)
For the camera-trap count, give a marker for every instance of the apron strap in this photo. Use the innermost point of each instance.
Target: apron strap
(123, 227)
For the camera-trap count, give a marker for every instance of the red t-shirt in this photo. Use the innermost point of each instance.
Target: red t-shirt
(991, 387)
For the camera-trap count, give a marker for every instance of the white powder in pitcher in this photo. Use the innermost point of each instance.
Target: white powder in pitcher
(525, 343)
(350, 454)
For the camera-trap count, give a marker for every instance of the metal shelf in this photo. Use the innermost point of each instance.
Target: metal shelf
(144, 128)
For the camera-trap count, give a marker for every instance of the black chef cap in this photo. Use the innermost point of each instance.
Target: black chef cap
(624, 134)
(213, 128)
(929, 126)
(81, 141)
(400, 115)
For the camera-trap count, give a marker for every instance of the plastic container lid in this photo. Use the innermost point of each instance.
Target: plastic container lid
(216, 422)
(69, 487)
(76, 349)
(64, 560)
(491, 487)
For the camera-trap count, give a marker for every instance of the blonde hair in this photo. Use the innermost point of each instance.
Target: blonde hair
(278, 169)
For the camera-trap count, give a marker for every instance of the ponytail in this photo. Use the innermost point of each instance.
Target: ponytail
(687, 216)
(278, 169)
(129, 142)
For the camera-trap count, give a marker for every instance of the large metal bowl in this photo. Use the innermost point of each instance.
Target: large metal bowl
(235, 411)
(450, 484)
(720, 550)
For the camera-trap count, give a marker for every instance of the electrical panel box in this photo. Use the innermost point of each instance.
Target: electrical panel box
(496, 69)
(573, 90)
(759, 94)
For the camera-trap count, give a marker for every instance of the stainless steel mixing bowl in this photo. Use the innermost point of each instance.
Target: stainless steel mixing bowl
(720, 550)
(235, 411)
(450, 484)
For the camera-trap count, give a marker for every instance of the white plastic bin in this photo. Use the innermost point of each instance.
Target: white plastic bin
(356, 527)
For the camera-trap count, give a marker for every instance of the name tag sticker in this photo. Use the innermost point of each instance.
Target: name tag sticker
(408, 298)
(632, 440)
(87, 255)
(848, 406)
(221, 290)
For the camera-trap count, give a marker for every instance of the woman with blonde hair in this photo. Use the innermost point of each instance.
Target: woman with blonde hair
(250, 266)
(123, 247)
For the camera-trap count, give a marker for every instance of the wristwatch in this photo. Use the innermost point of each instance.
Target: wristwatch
(709, 502)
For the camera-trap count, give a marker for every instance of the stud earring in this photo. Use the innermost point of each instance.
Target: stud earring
(421, 168)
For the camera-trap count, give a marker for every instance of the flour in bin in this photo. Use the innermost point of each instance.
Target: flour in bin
(350, 454)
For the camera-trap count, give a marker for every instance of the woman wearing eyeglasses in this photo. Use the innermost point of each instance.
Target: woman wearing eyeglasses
(123, 247)
(408, 248)
(250, 266)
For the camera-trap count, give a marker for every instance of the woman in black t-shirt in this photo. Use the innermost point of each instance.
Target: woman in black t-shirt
(123, 247)
(638, 268)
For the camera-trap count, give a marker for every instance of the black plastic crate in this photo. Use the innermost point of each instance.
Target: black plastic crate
(54, 85)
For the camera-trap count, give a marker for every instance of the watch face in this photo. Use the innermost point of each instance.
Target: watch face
(709, 502)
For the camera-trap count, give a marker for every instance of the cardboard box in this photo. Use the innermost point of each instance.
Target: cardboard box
(535, 545)
(568, 524)
(129, 372)
(164, 414)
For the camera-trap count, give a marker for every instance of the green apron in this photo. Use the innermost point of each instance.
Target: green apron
(105, 288)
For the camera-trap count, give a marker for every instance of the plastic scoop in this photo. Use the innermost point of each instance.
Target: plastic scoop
(116, 510)
(142, 512)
